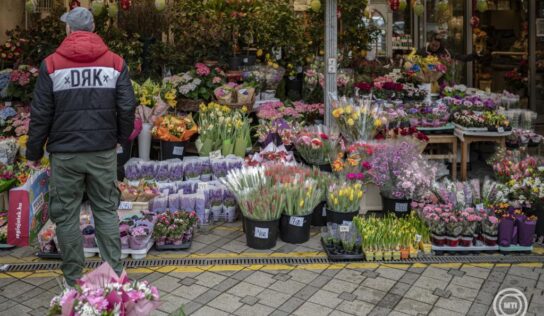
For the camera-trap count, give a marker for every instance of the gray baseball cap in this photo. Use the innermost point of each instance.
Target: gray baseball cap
(79, 19)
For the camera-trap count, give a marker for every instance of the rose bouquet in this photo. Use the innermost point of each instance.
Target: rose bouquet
(400, 171)
(388, 90)
(102, 292)
(317, 145)
(173, 128)
(22, 81)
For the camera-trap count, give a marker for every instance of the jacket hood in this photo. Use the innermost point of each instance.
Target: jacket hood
(82, 47)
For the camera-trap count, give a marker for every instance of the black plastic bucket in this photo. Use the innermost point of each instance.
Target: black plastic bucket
(295, 229)
(400, 207)
(319, 215)
(340, 217)
(171, 150)
(261, 234)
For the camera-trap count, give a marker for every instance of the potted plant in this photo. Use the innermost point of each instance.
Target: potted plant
(401, 173)
(261, 202)
(454, 228)
(140, 235)
(344, 202)
(506, 229)
(471, 220)
(174, 229)
(490, 230)
(301, 197)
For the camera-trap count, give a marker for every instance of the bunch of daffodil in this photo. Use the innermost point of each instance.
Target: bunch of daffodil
(356, 122)
(222, 128)
(146, 92)
(345, 197)
(168, 94)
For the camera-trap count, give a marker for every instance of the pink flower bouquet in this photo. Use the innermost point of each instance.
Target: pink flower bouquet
(102, 292)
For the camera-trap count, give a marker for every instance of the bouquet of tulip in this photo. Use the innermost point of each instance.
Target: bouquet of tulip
(150, 104)
(345, 198)
(317, 145)
(174, 227)
(102, 292)
(301, 196)
(355, 122)
(400, 171)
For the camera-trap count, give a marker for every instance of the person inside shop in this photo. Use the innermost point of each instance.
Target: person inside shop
(436, 47)
(83, 108)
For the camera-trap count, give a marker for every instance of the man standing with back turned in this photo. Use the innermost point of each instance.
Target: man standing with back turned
(83, 107)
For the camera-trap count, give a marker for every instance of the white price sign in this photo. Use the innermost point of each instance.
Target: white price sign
(480, 207)
(418, 238)
(178, 151)
(261, 233)
(501, 129)
(215, 154)
(125, 205)
(296, 221)
(401, 207)
(119, 150)
(344, 228)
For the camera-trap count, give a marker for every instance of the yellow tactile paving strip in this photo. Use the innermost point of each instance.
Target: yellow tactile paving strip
(275, 267)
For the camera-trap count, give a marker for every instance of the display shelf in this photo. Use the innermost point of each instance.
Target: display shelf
(135, 254)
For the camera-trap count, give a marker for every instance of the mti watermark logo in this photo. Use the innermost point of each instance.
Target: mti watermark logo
(510, 302)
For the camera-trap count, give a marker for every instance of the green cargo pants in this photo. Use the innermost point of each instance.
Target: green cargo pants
(71, 176)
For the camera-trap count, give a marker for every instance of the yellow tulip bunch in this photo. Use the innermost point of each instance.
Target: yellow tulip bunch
(345, 197)
(146, 92)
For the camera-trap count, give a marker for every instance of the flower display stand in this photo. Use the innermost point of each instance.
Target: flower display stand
(479, 247)
(135, 254)
(516, 248)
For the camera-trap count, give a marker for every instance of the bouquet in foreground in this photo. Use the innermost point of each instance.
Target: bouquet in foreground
(102, 292)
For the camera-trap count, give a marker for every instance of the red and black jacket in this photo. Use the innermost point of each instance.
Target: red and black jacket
(83, 99)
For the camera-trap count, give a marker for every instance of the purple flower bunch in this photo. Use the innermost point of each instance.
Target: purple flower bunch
(400, 171)
(193, 169)
(474, 103)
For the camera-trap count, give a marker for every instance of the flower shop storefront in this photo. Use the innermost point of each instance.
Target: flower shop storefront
(233, 140)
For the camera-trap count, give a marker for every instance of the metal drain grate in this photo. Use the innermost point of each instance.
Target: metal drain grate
(44, 266)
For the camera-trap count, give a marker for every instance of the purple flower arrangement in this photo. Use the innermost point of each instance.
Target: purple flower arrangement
(400, 171)
(472, 103)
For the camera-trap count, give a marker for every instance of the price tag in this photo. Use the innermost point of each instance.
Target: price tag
(261, 233)
(401, 207)
(215, 154)
(125, 205)
(418, 238)
(324, 212)
(501, 129)
(480, 207)
(246, 60)
(178, 151)
(296, 221)
(344, 228)
(119, 150)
